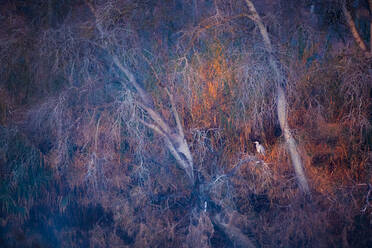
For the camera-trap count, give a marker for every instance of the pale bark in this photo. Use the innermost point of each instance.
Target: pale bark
(353, 29)
(174, 137)
(281, 100)
(290, 141)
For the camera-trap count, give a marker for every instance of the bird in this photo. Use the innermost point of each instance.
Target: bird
(259, 148)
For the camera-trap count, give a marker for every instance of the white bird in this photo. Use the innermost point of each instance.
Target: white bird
(259, 148)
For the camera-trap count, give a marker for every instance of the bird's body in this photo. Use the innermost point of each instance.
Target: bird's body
(259, 148)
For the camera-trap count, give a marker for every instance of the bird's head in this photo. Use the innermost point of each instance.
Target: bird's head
(256, 142)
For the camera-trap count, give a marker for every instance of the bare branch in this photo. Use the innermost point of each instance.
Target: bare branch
(157, 118)
(153, 127)
(175, 142)
(145, 98)
(175, 114)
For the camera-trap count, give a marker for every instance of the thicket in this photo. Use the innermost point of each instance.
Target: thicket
(82, 164)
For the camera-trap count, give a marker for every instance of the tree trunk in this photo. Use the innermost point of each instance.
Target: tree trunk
(353, 29)
(174, 138)
(280, 80)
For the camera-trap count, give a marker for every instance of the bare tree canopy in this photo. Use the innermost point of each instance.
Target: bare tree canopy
(128, 123)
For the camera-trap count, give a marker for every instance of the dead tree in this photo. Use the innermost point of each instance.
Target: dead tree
(174, 137)
(363, 13)
(354, 31)
(176, 143)
(280, 81)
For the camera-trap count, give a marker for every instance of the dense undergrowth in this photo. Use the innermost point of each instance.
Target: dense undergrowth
(80, 167)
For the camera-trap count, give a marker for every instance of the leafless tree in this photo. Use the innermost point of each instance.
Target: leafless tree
(165, 143)
(174, 137)
(280, 82)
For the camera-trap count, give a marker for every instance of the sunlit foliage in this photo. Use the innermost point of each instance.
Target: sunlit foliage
(83, 166)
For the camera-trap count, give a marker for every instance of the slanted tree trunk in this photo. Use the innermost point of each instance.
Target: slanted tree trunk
(350, 22)
(280, 80)
(174, 137)
(176, 143)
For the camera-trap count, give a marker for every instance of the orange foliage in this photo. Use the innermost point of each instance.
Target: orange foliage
(213, 99)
